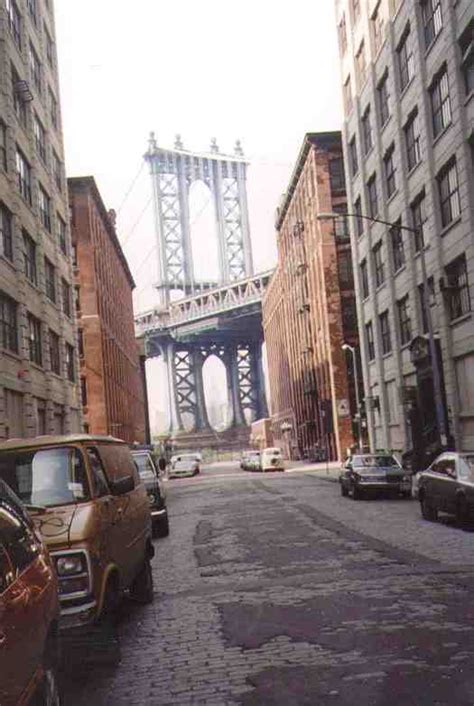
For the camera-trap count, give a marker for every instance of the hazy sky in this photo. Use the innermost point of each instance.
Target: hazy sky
(264, 72)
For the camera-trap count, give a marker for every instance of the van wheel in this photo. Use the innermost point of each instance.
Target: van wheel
(111, 600)
(141, 589)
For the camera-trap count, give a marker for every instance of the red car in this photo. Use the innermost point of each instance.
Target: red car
(29, 611)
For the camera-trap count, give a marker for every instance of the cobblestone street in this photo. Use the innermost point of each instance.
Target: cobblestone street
(276, 590)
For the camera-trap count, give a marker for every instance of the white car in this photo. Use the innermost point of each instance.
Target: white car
(272, 459)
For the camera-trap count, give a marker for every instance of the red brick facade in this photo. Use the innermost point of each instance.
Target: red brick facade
(309, 309)
(111, 380)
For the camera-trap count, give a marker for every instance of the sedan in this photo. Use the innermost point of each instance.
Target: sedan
(184, 466)
(448, 486)
(364, 473)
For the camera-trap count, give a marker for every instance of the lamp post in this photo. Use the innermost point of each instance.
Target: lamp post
(347, 347)
(440, 418)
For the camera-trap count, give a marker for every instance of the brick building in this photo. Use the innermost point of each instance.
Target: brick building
(309, 308)
(110, 372)
(38, 336)
(408, 84)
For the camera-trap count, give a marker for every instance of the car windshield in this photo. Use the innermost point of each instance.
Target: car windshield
(46, 477)
(374, 461)
(145, 466)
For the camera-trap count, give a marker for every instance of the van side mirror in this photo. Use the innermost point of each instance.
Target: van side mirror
(123, 485)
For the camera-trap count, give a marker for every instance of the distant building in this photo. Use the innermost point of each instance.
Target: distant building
(110, 373)
(408, 87)
(38, 336)
(309, 309)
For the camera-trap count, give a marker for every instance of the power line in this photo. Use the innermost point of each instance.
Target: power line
(130, 188)
(131, 231)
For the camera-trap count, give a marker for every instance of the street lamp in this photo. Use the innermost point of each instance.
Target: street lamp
(440, 418)
(347, 347)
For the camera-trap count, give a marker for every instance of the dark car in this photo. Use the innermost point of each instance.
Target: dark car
(448, 486)
(29, 610)
(150, 476)
(368, 473)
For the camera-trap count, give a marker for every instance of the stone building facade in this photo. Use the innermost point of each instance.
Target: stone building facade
(309, 309)
(111, 379)
(408, 89)
(38, 336)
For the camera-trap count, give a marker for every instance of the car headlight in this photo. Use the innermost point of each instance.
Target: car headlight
(71, 564)
(406, 478)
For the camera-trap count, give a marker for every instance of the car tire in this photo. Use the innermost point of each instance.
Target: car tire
(357, 493)
(462, 512)
(344, 491)
(141, 589)
(428, 512)
(111, 601)
(161, 527)
(406, 494)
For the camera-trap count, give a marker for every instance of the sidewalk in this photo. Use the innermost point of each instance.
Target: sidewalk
(326, 471)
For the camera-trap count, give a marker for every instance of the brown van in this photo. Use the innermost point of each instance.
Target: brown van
(86, 498)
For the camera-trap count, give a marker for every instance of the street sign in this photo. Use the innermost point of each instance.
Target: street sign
(343, 409)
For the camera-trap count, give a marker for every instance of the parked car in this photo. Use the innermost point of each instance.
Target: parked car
(184, 465)
(29, 610)
(150, 476)
(272, 459)
(253, 461)
(86, 497)
(365, 473)
(448, 486)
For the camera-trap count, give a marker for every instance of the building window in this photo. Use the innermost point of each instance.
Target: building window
(432, 19)
(412, 140)
(457, 288)
(32, 9)
(364, 279)
(466, 45)
(378, 27)
(70, 371)
(336, 174)
(379, 267)
(341, 229)
(404, 320)
(358, 221)
(8, 323)
(349, 314)
(80, 342)
(390, 170)
(343, 34)
(367, 131)
(24, 176)
(34, 339)
(29, 258)
(53, 108)
(353, 159)
(20, 93)
(3, 146)
(40, 138)
(344, 266)
(440, 102)
(6, 240)
(385, 335)
(62, 233)
(448, 193)
(361, 64)
(35, 68)
(383, 99)
(406, 66)
(347, 94)
(66, 297)
(369, 334)
(50, 279)
(431, 294)
(418, 217)
(49, 46)
(54, 356)
(44, 204)
(84, 391)
(398, 250)
(14, 21)
(372, 196)
(57, 171)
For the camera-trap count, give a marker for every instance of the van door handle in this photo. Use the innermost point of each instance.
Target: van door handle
(3, 638)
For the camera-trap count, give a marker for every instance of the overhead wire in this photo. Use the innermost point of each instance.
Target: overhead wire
(130, 188)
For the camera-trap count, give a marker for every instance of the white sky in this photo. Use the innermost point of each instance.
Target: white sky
(262, 71)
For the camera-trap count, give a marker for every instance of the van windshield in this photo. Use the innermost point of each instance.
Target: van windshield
(46, 477)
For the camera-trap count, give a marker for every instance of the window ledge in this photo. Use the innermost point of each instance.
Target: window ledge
(405, 88)
(8, 262)
(369, 152)
(447, 228)
(11, 354)
(433, 42)
(443, 132)
(380, 287)
(406, 345)
(37, 366)
(382, 127)
(392, 196)
(425, 249)
(387, 355)
(414, 168)
(400, 269)
(460, 319)
(469, 97)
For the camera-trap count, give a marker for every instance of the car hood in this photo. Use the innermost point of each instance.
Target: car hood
(66, 524)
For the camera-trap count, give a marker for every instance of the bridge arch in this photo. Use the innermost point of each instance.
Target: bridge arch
(204, 235)
(216, 394)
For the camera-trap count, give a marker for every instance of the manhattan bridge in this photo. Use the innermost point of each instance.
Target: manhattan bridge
(193, 320)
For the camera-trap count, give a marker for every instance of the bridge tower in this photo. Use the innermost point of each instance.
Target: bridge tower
(183, 347)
